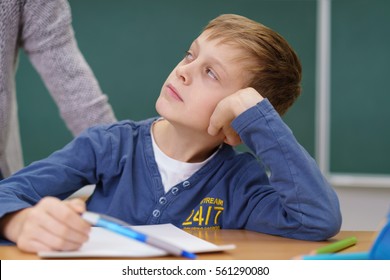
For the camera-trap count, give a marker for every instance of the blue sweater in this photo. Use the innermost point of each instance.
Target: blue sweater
(281, 191)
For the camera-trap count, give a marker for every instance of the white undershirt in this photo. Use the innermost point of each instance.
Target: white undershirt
(173, 171)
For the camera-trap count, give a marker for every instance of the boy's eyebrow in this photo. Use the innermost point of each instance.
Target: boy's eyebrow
(214, 60)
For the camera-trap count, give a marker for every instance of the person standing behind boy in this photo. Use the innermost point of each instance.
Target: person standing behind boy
(180, 168)
(42, 28)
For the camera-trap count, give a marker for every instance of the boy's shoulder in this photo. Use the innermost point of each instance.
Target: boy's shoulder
(124, 125)
(124, 129)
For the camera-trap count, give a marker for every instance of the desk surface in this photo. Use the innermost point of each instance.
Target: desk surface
(250, 245)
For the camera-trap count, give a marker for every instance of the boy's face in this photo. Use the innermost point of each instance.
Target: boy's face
(208, 73)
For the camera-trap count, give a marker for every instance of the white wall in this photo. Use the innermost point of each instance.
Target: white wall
(363, 208)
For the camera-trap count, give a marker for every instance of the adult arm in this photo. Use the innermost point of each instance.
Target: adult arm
(49, 41)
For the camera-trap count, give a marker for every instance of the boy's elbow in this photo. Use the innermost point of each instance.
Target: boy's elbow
(324, 228)
(324, 222)
(334, 226)
(327, 232)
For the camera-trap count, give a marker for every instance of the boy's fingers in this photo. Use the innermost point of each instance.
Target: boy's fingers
(61, 236)
(63, 220)
(39, 238)
(44, 231)
(32, 246)
(76, 204)
(221, 118)
(213, 130)
(231, 137)
(228, 109)
(220, 122)
(215, 124)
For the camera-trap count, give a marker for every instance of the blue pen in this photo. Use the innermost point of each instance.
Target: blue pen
(122, 228)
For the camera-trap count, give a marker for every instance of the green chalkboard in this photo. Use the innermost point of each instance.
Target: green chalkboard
(360, 92)
(133, 45)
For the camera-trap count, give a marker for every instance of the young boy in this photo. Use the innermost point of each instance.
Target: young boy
(180, 168)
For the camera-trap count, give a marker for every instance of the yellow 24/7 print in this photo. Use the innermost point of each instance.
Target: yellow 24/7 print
(204, 217)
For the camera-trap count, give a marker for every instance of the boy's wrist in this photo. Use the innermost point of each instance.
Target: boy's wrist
(12, 223)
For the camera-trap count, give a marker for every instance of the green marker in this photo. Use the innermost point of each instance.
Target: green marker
(337, 246)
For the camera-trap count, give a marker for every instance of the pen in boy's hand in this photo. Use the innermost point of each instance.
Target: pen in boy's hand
(120, 227)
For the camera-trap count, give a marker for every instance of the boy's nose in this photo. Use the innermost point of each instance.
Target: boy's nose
(182, 72)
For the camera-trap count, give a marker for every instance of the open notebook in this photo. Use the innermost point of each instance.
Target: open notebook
(104, 243)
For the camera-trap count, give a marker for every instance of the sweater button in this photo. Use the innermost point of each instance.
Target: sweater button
(174, 190)
(162, 200)
(186, 184)
(156, 213)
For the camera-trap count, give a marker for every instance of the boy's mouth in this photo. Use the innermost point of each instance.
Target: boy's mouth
(173, 92)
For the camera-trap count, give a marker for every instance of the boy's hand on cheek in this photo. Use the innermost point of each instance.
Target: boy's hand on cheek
(50, 225)
(228, 109)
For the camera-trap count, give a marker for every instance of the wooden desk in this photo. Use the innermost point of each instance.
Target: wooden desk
(250, 245)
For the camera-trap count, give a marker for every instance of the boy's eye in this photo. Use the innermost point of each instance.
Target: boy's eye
(211, 74)
(188, 56)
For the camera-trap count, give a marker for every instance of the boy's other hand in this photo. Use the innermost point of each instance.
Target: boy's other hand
(50, 225)
(228, 109)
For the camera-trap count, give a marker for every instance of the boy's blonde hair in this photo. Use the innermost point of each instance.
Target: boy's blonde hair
(275, 70)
